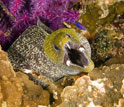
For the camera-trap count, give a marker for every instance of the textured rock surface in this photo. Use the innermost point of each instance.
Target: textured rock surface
(16, 89)
(103, 87)
(11, 89)
(107, 43)
(115, 60)
(100, 14)
(33, 95)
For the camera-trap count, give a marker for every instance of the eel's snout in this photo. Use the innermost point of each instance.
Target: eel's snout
(77, 58)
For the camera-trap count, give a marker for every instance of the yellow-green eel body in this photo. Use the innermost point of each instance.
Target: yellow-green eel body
(52, 54)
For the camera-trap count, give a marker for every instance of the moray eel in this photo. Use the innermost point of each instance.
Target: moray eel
(52, 54)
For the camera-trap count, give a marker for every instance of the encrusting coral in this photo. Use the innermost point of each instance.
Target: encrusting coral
(97, 14)
(103, 87)
(16, 89)
(108, 42)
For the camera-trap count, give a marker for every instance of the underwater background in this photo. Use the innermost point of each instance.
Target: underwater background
(100, 21)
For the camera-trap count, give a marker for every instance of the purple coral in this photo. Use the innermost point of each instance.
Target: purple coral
(15, 6)
(26, 12)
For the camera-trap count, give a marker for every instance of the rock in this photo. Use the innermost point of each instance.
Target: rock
(115, 60)
(103, 87)
(11, 89)
(16, 90)
(1, 96)
(95, 14)
(33, 95)
(108, 43)
(5, 65)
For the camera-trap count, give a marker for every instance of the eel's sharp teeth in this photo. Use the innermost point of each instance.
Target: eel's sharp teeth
(81, 49)
(68, 62)
(27, 71)
(68, 46)
(85, 66)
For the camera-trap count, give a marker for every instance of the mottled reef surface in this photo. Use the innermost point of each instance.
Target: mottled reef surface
(16, 90)
(103, 87)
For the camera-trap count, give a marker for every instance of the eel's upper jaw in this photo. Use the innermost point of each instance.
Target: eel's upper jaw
(76, 58)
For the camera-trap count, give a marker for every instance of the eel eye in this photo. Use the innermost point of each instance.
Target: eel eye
(68, 35)
(56, 47)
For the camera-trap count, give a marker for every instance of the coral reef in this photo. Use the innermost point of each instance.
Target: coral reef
(104, 21)
(16, 89)
(10, 86)
(33, 95)
(115, 60)
(17, 15)
(108, 42)
(97, 15)
(119, 22)
(103, 87)
(102, 46)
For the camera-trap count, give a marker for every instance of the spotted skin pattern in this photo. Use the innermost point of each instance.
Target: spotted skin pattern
(35, 59)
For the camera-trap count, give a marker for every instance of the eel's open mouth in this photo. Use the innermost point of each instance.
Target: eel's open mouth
(75, 56)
